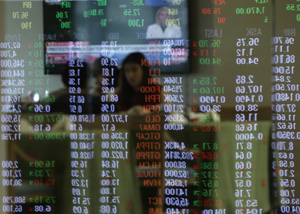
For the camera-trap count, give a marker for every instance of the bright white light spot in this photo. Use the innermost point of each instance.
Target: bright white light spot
(36, 97)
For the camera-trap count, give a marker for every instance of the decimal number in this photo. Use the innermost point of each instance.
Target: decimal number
(83, 201)
(283, 40)
(78, 209)
(41, 208)
(288, 183)
(248, 89)
(244, 52)
(247, 108)
(283, 69)
(246, 127)
(105, 209)
(279, 78)
(80, 183)
(131, 12)
(208, 11)
(241, 42)
(249, 98)
(286, 87)
(284, 117)
(243, 183)
(284, 108)
(243, 79)
(247, 203)
(243, 174)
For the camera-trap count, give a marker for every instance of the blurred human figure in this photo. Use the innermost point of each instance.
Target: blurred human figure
(106, 74)
(160, 29)
(133, 77)
(75, 78)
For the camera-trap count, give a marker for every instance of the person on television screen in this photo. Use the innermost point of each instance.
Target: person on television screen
(160, 29)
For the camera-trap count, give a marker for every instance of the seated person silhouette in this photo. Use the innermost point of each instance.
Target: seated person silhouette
(133, 76)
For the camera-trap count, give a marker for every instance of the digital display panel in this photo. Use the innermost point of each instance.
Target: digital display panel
(149, 107)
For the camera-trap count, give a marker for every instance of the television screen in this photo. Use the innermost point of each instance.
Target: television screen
(89, 29)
